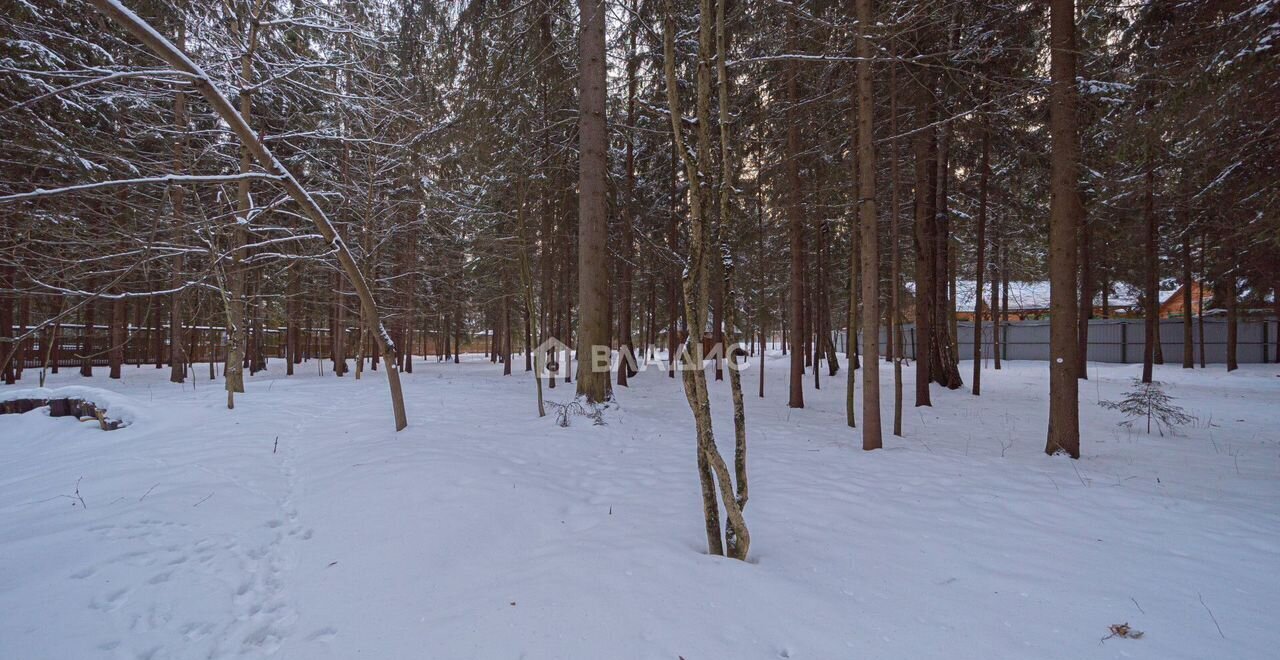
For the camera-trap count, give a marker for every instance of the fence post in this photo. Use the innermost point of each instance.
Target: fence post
(1266, 340)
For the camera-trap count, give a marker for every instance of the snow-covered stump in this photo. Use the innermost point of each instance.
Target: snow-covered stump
(78, 402)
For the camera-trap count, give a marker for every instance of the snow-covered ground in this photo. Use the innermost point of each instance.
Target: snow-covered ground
(482, 531)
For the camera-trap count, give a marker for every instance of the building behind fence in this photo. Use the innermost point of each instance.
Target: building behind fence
(1117, 340)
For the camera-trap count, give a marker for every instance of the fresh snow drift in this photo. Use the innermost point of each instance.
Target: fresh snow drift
(300, 525)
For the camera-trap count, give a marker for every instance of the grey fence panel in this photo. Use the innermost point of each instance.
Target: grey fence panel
(1118, 340)
(964, 340)
(1026, 340)
(1108, 341)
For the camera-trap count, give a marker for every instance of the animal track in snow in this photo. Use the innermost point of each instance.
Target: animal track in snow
(325, 634)
(111, 601)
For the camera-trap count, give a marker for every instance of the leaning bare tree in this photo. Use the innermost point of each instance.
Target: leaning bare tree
(257, 148)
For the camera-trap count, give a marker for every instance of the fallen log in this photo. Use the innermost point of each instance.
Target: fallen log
(81, 409)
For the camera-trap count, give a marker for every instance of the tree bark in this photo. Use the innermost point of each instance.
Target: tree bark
(119, 319)
(734, 546)
(795, 226)
(1086, 298)
(1233, 322)
(895, 302)
(923, 146)
(711, 467)
(1188, 350)
(1151, 293)
(1064, 220)
(593, 210)
(984, 181)
(997, 278)
(626, 351)
(177, 356)
(871, 438)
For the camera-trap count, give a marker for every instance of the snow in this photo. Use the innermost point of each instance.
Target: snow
(115, 405)
(1035, 295)
(1032, 295)
(299, 525)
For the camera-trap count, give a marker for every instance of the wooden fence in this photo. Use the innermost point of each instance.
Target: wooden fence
(71, 345)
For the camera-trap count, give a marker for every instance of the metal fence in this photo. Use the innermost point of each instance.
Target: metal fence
(1116, 340)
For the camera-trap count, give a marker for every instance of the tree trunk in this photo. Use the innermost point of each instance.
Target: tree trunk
(119, 319)
(711, 467)
(855, 263)
(1064, 221)
(896, 351)
(945, 368)
(593, 211)
(1188, 350)
(1233, 322)
(177, 357)
(1086, 299)
(1200, 297)
(984, 181)
(626, 351)
(870, 238)
(1151, 294)
(7, 369)
(292, 354)
(795, 225)
(86, 339)
(923, 146)
(997, 279)
(734, 546)
(233, 369)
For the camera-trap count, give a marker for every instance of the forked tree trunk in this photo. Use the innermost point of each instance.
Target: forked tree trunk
(711, 466)
(736, 547)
